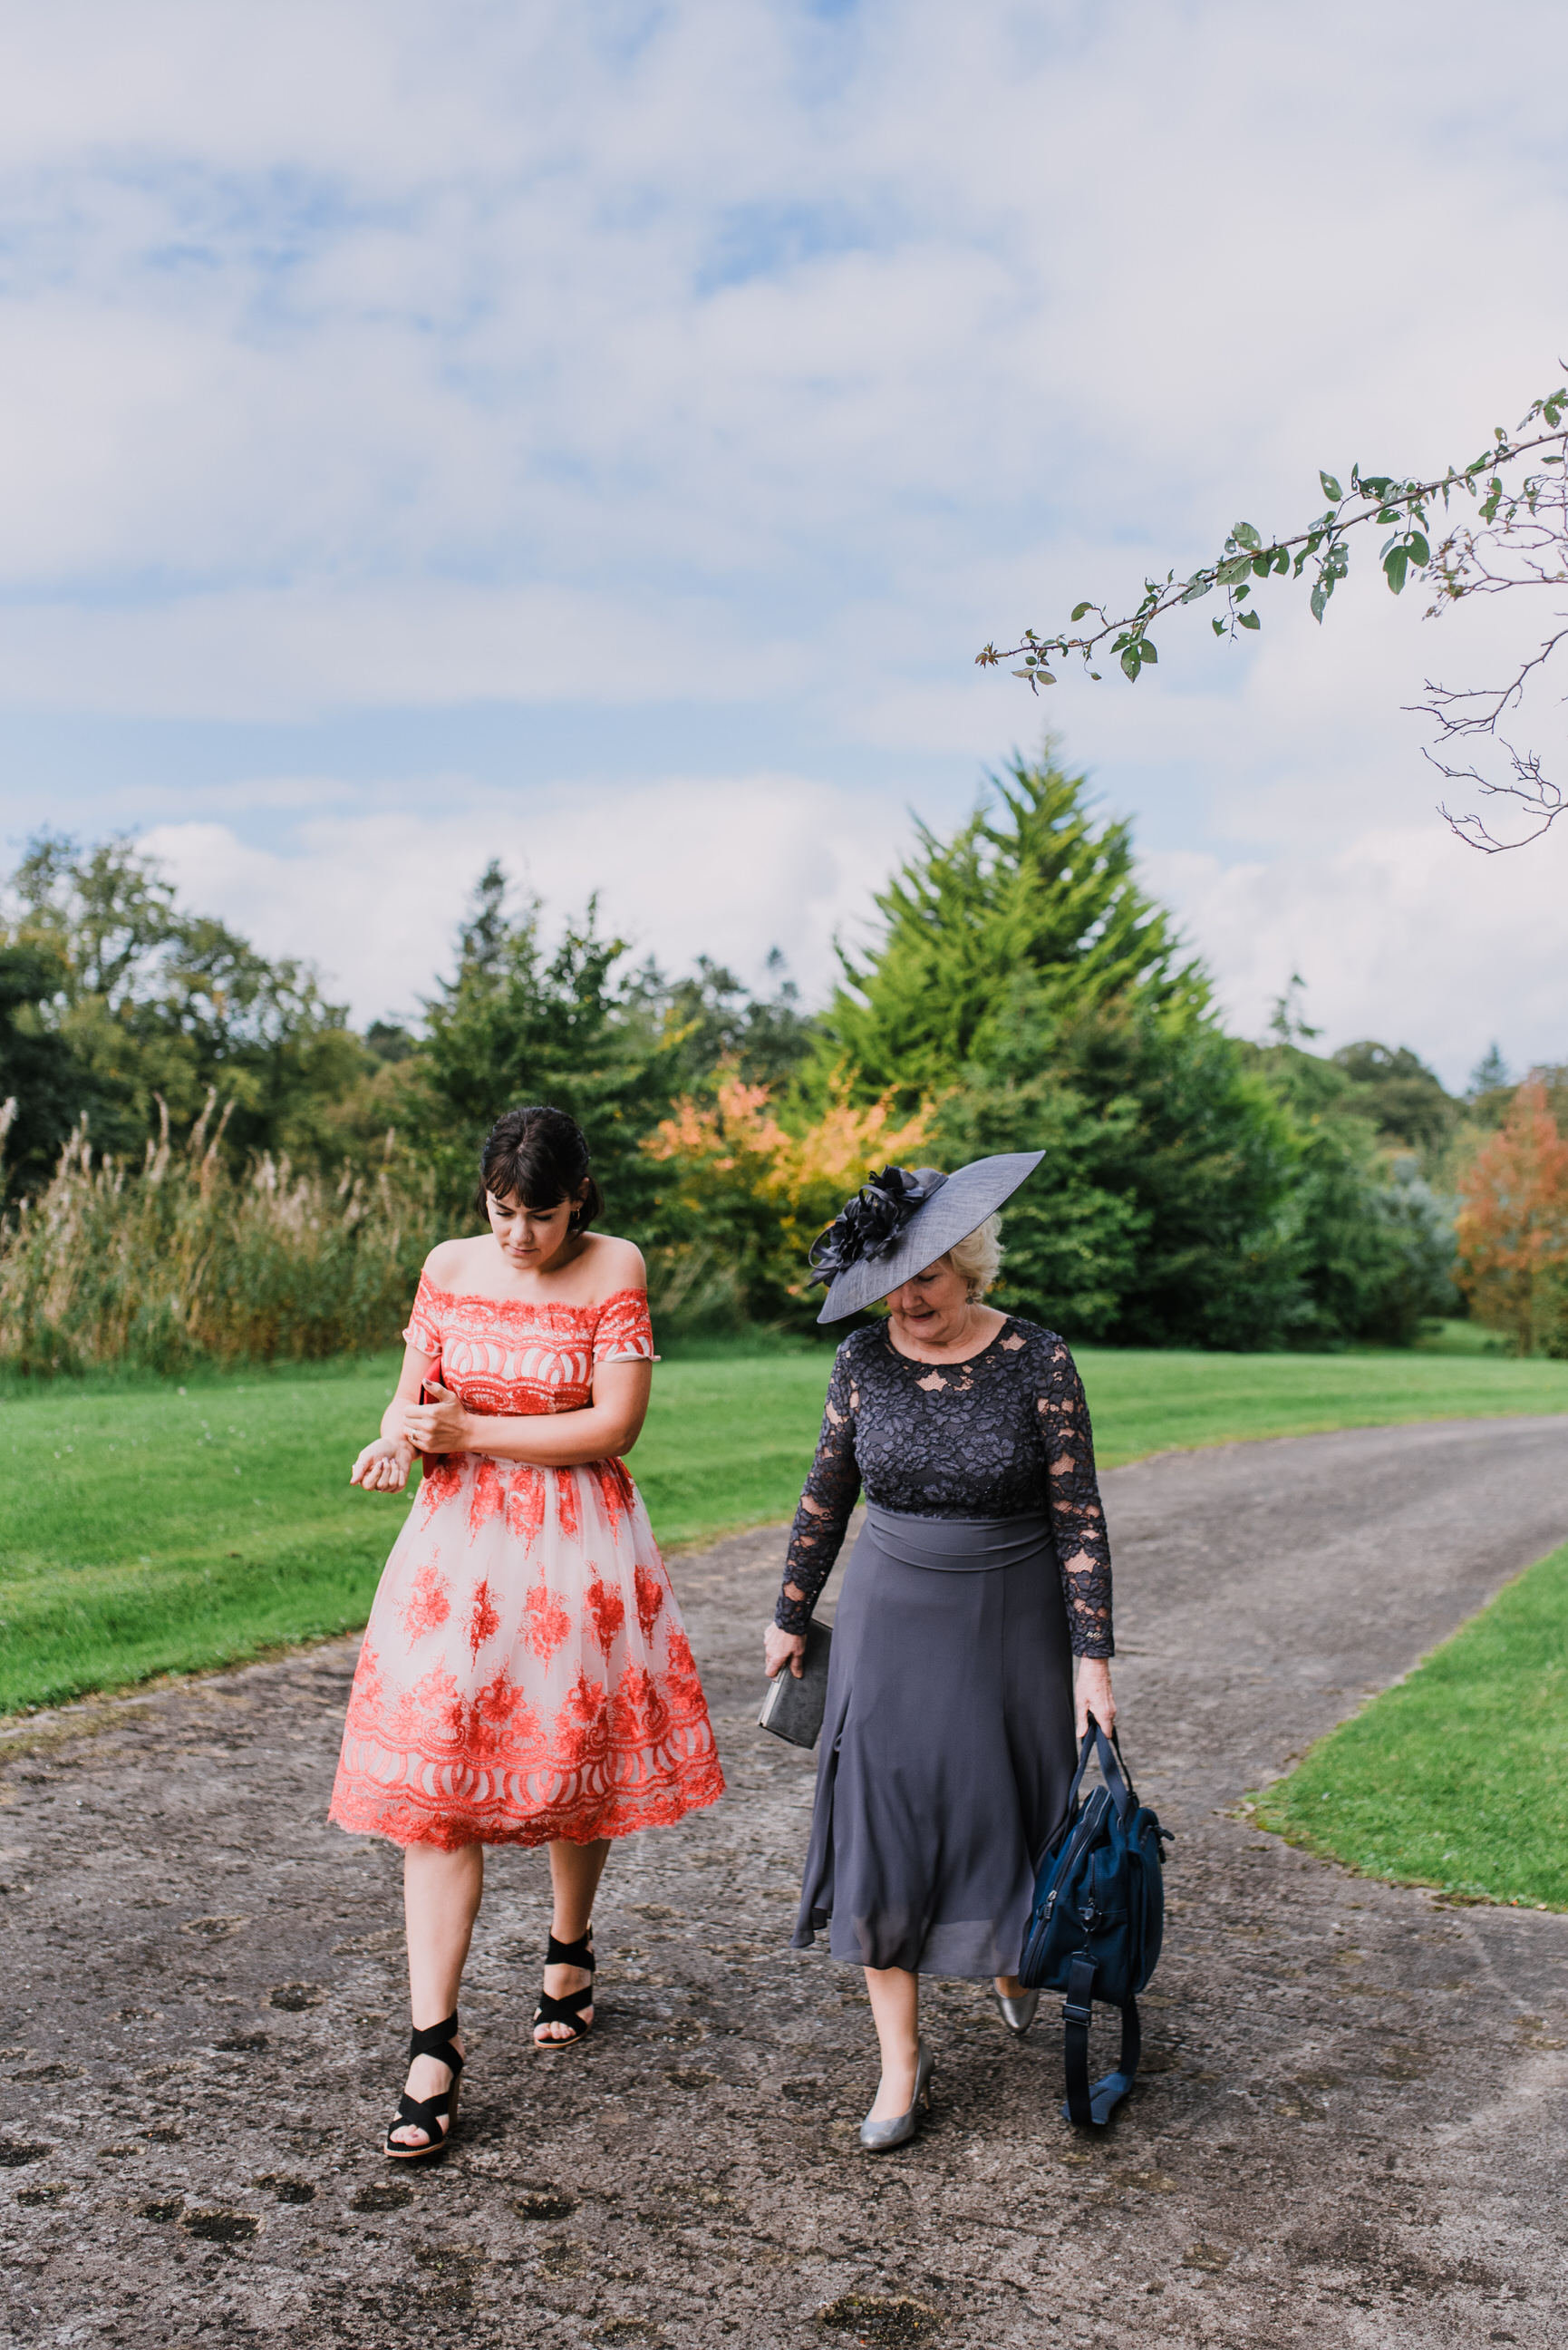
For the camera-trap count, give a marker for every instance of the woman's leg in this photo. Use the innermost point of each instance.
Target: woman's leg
(441, 1902)
(896, 2012)
(575, 1873)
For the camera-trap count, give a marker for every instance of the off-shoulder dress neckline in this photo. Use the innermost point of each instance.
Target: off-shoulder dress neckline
(528, 1304)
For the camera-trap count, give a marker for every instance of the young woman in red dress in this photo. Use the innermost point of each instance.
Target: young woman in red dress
(524, 1677)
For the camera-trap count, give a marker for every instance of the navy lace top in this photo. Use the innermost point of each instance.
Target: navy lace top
(1004, 1435)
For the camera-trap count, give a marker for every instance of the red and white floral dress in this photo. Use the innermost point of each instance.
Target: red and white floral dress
(525, 1674)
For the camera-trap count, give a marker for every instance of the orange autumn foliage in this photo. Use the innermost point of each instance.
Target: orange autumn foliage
(1513, 1227)
(738, 1170)
(738, 1130)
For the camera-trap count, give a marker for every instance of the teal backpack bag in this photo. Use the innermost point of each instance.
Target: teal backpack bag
(1097, 1922)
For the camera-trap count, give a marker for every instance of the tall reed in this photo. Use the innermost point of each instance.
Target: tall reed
(182, 1260)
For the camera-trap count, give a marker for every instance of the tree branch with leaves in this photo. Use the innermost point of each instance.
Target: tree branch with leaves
(1515, 537)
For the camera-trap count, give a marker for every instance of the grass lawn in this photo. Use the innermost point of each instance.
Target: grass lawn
(1457, 1776)
(144, 1528)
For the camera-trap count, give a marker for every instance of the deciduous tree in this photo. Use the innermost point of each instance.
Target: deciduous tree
(1513, 1227)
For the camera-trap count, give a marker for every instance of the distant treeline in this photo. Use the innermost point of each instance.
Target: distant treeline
(205, 1160)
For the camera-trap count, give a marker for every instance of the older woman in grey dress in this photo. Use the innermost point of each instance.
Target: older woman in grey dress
(972, 1634)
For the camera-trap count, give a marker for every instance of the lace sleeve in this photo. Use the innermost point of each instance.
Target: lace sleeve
(832, 1490)
(1073, 1499)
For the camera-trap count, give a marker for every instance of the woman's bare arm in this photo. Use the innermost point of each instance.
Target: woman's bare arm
(608, 1426)
(383, 1466)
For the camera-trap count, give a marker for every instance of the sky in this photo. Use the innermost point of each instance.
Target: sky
(602, 439)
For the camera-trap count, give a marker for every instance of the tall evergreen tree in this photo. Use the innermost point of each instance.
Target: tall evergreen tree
(1032, 887)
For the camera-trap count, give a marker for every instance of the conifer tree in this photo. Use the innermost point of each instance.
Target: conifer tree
(1031, 889)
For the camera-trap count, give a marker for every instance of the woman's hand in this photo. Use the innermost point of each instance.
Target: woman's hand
(782, 1648)
(383, 1467)
(1092, 1695)
(439, 1427)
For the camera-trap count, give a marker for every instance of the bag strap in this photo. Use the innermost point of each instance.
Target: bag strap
(1077, 2014)
(1092, 2108)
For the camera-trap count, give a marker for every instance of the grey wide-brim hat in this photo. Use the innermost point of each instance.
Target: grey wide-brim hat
(949, 1208)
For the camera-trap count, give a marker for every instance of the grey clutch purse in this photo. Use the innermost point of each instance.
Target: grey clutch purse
(794, 1708)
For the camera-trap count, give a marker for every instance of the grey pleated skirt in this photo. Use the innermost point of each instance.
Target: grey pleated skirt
(947, 1745)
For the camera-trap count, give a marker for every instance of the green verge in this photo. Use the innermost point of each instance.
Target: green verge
(147, 1529)
(1457, 1776)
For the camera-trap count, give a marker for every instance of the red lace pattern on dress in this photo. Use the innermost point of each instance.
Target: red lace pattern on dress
(525, 1674)
(510, 1354)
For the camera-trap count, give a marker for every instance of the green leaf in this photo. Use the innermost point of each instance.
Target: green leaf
(1218, 627)
(1147, 650)
(1231, 575)
(1251, 620)
(1244, 535)
(1079, 610)
(1331, 488)
(1261, 565)
(1196, 587)
(1130, 663)
(1320, 595)
(1420, 552)
(1283, 562)
(1394, 563)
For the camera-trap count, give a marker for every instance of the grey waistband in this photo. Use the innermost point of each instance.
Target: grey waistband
(958, 1545)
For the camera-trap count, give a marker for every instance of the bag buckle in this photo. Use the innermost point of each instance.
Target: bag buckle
(1073, 2014)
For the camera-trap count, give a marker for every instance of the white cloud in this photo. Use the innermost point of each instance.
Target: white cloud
(730, 868)
(270, 653)
(400, 357)
(1404, 935)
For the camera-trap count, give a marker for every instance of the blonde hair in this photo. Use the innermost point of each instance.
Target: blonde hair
(978, 1259)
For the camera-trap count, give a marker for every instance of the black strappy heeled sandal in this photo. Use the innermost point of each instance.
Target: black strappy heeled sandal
(429, 2113)
(569, 2009)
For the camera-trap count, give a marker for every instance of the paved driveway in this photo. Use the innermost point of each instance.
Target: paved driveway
(1352, 2129)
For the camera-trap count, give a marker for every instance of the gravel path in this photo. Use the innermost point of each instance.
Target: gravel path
(1351, 2130)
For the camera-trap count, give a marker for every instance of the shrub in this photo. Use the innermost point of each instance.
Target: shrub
(182, 1261)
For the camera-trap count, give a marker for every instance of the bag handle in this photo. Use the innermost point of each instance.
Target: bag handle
(1112, 1769)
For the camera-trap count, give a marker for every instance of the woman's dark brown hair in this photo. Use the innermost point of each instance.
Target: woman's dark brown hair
(539, 1157)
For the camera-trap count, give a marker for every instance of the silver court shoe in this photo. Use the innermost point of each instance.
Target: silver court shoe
(1018, 2015)
(880, 2138)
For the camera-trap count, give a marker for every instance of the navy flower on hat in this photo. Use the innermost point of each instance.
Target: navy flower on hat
(868, 1224)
